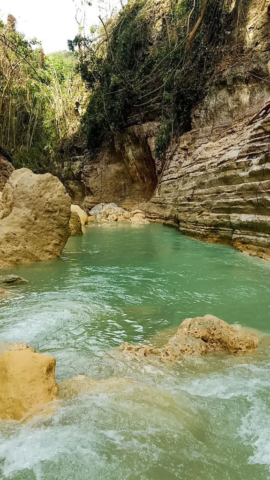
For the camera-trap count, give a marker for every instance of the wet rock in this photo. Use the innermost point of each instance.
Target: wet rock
(83, 216)
(12, 280)
(34, 218)
(217, 334)
(27, 382)
(199, 336)
(75, 225)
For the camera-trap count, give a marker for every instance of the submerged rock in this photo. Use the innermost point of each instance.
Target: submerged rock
(75, 225)
(4, 293)
(81, 385)
(82, 215)
(34, 218)
(27, 382)
(12, 280)
(198, 336)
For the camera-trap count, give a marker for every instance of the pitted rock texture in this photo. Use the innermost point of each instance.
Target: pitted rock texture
(34, 218)
(75, 225)
(110, 212)
(27, 382)
(198, 336)
(6, 170)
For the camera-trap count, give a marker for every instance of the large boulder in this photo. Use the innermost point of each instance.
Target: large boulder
(34, 218)
(198, 336)
(75, 225)
(82, 215)
(27, 382)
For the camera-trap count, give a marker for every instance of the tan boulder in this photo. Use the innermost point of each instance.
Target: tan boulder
(91, 219)
(138, 218)
(83, 216)
(75, 225)
(198, 336)
(27, 382)
(217, 334)
(34, 219)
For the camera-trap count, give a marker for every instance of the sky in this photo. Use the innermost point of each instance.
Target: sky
(51, 21)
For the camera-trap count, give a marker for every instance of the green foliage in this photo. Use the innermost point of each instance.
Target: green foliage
(163, 137)
(39, 98)
(141, 71)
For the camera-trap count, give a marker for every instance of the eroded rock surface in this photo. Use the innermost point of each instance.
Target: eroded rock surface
(82, 215)
(34, 218)
(75, 225)
(112, 213)
(6, 170)
(27, 382)
(198, 336)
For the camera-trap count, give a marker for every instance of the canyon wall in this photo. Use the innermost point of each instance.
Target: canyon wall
(215, 184)
(125, 171)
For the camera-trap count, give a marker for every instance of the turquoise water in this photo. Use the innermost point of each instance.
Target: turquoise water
(199, 419)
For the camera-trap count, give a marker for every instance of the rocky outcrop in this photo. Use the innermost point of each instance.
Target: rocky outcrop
(110, 212)
(34, 218)
(27, 382)
(215, 180)
(12, 280)
(6, 170)
(216, 188)
(75, 225)
(198, 336)
(124, 172)
(81, 213)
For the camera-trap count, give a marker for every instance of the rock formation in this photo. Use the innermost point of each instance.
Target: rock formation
(213, 181)
(81, 213)
(12, 280)
(6, 170)
(34, 218)
(125, 172)
(27, 382)
(75, 225)
(198, 336)
(112, 213)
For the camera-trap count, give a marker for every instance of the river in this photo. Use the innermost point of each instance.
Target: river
(202, 418)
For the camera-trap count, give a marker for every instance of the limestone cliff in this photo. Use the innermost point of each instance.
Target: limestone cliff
(213, 181)
(126, 171)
